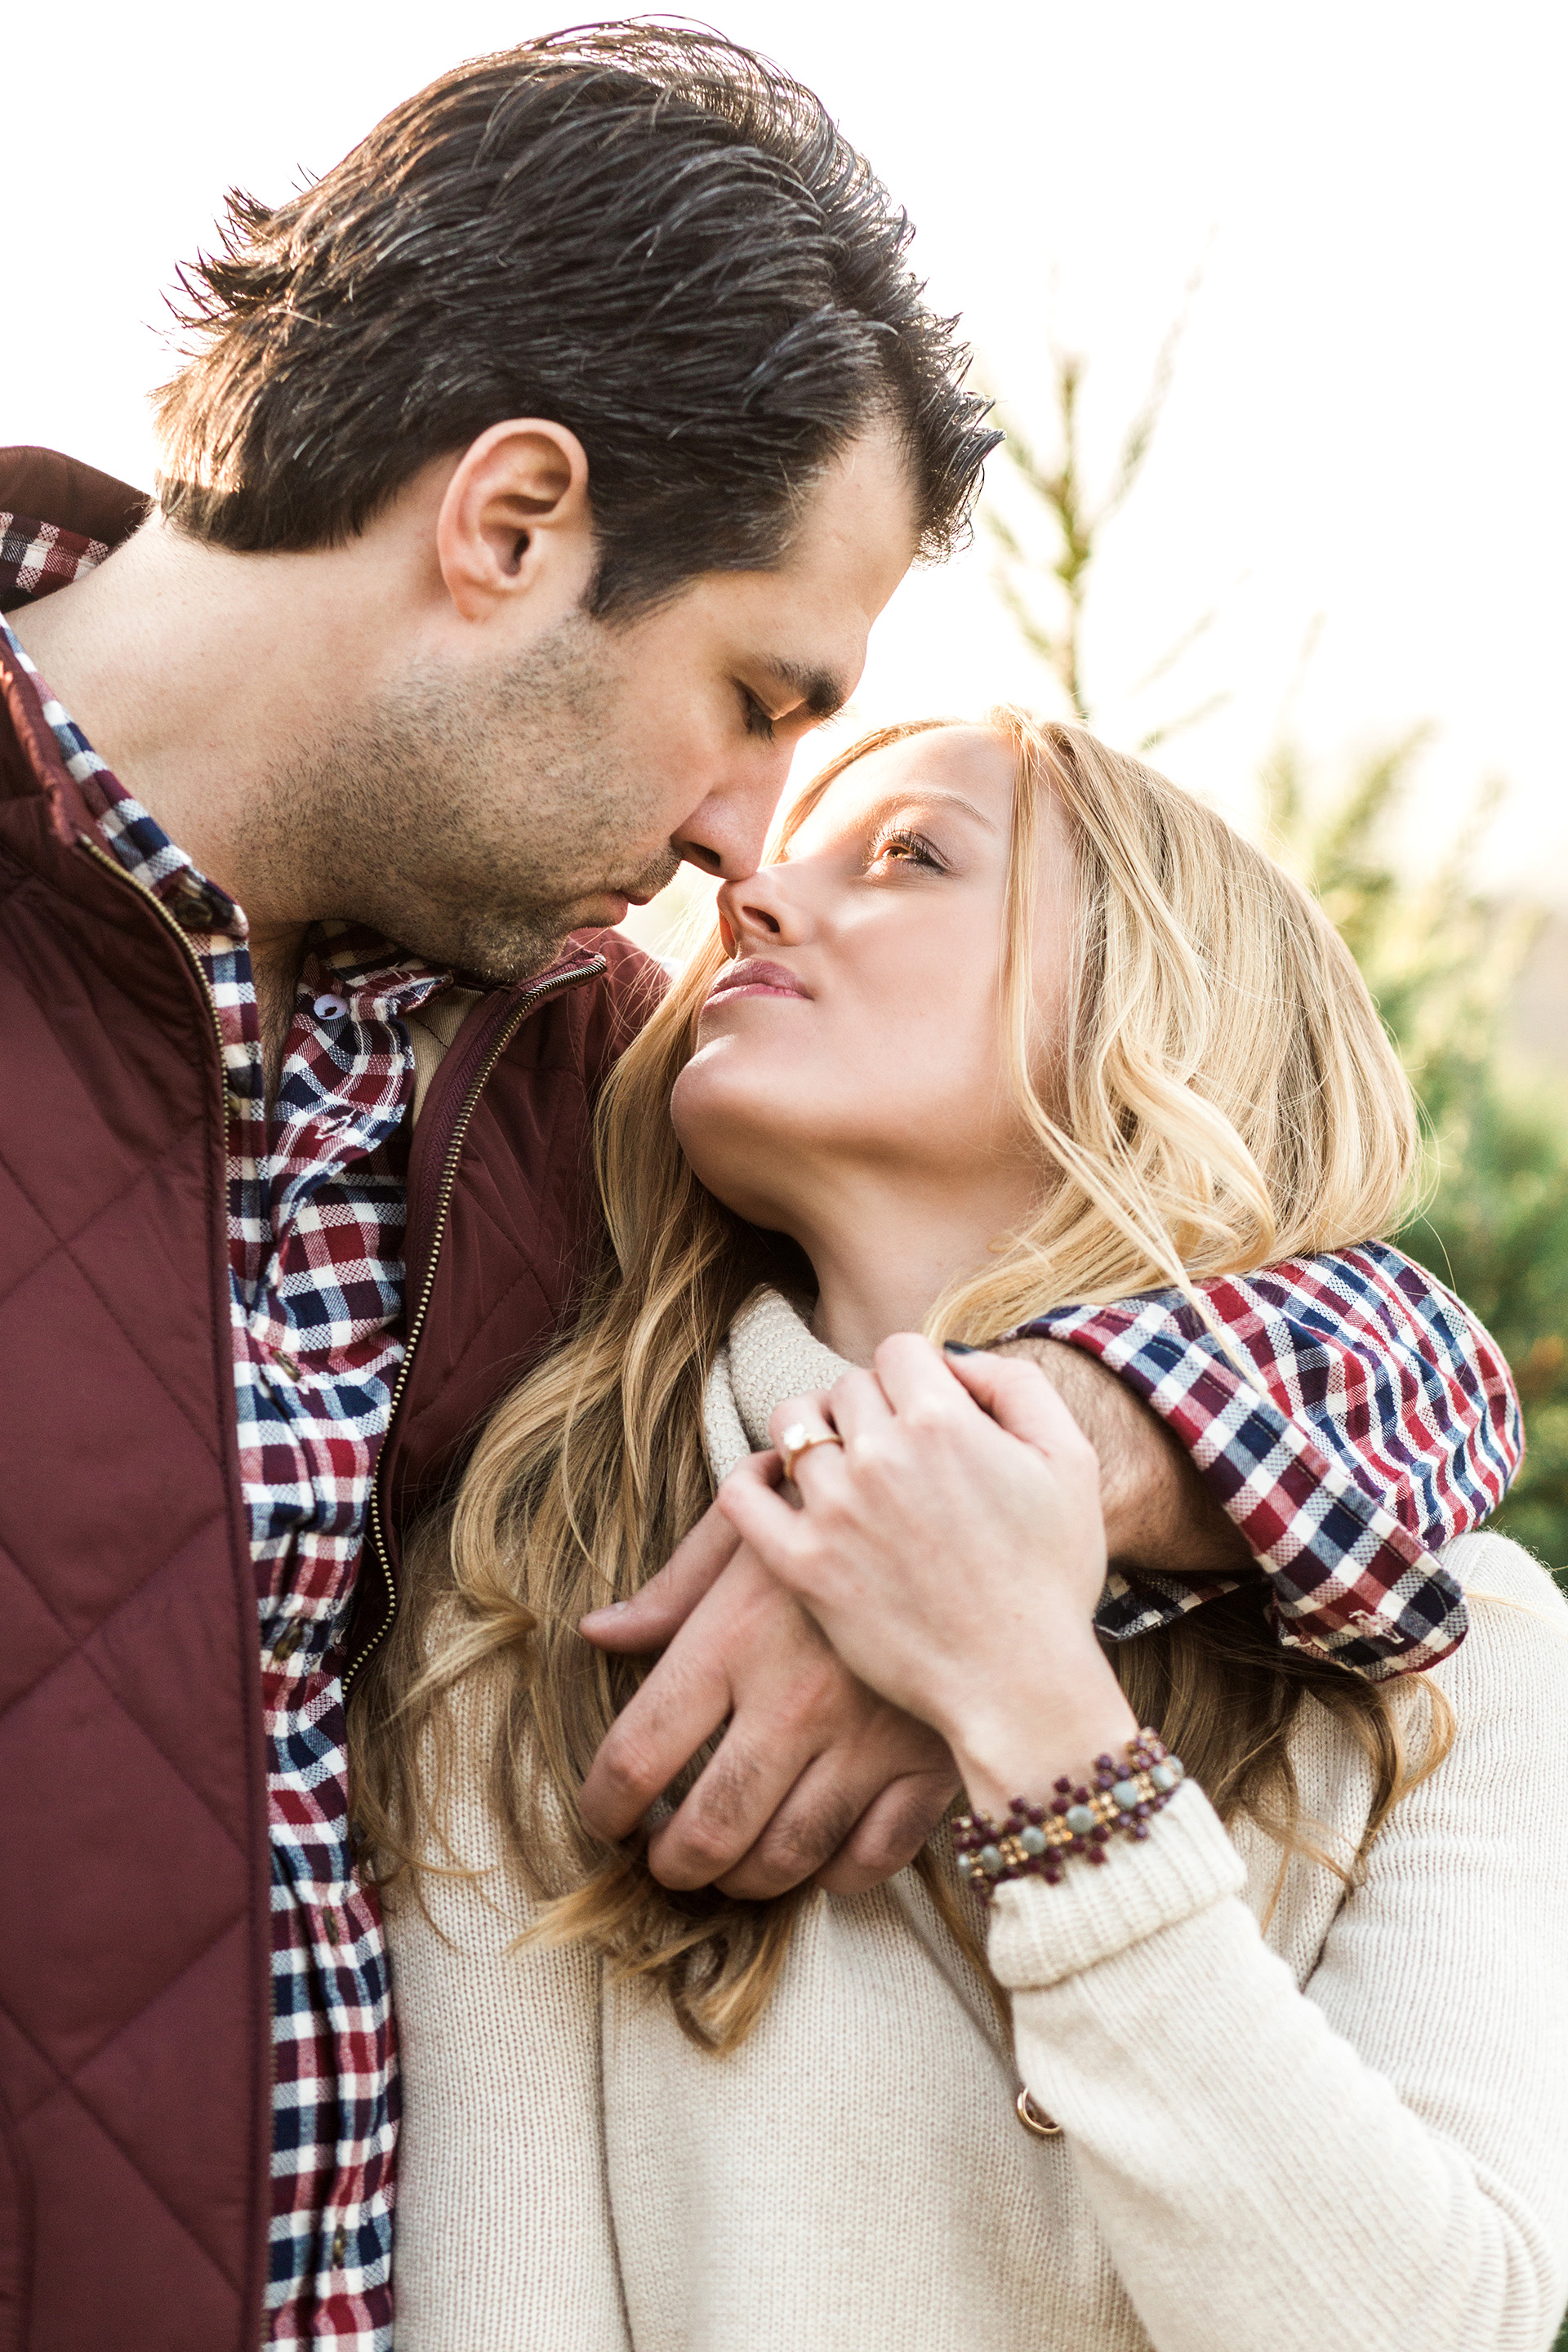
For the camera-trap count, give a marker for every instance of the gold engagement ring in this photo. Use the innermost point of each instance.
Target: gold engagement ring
(797, 1439)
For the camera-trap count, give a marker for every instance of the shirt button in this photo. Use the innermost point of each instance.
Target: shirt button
(340, 2245)
(329, 1006)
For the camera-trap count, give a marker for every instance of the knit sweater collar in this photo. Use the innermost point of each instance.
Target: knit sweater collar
(768, 1355)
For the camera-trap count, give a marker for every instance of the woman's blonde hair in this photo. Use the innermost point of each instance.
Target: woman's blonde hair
(1225, 1097)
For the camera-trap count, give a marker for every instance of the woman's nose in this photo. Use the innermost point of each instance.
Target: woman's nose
(762, 908)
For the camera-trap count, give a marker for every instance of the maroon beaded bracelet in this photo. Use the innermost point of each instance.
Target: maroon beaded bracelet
(1035, 1839)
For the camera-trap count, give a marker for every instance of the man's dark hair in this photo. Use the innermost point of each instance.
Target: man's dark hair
(640, 231)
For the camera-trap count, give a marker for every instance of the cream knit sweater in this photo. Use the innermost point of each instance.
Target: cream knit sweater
(1349, 2129)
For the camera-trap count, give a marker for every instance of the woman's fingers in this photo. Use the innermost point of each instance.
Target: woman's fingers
(799, 1423)
(750, 1501)
(654, 1616)
(857, 1406)
(1019, 1398)
(1012, 1389)
(914, 1378)
(952, 1551)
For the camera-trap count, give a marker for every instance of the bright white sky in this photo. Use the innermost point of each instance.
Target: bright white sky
(1367, 421)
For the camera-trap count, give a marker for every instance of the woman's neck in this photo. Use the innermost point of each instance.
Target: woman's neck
(882, 1258)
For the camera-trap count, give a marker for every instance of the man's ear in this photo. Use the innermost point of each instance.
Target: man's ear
(515, 521)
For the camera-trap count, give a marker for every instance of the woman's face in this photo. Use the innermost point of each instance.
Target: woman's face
(858, 1026)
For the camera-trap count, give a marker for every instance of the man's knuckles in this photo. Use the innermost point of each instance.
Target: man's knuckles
(693, 1852)
(756, 1878)
(817, 1706)
(797, 1845)
(628, 1775)
(892, 1841)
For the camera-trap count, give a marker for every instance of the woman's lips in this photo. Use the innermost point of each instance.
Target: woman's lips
(754, 977)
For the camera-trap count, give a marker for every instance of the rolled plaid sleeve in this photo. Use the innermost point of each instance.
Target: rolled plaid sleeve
(1379, 1422)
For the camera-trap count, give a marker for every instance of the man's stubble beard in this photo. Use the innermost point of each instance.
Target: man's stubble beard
(464, 818)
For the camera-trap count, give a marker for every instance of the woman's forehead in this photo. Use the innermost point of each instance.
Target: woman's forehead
(967, 760)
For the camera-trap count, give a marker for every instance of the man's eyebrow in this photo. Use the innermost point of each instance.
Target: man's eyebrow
(823, 694)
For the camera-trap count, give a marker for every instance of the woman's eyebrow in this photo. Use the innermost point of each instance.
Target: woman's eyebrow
(922, 795)
(925, 793)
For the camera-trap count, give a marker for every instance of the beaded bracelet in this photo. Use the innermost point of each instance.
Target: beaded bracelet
(1035, 1839)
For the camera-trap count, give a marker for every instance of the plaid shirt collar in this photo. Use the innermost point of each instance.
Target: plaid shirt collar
(36, 557)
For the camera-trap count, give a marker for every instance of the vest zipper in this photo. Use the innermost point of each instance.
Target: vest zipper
(102, 858)
(375, 1539)
(535, 996)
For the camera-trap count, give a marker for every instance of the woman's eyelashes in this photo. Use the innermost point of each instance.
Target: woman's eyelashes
(902, 845)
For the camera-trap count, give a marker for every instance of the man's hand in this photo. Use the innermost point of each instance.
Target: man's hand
(814, 1776)
(1159, 1515)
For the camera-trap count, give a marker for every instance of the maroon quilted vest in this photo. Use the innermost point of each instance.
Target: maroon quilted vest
(134, 1992)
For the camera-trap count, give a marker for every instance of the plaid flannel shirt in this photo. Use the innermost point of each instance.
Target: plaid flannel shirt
(1375, 1420)
(1370, 1419)
(317, 1204)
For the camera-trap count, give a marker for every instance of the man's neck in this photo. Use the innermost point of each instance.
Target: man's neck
(182, 666)
(202, 678)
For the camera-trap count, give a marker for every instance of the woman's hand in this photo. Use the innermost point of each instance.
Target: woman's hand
(953, 1557)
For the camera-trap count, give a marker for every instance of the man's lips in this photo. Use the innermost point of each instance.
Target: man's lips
(754, 977)
(618, 898)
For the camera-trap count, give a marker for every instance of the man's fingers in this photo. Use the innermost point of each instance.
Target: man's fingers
(813, 1820)
(714, 1835)
(759, 1763)
(890, 1832)
(1020, 1399)
(653, 1616)
(846, 1826)
(682, 1703)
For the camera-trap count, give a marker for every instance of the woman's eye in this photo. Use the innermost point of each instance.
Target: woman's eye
(757, 720)
(904, 848)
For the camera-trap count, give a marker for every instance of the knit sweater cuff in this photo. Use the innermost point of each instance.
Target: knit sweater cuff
(1040, 1934)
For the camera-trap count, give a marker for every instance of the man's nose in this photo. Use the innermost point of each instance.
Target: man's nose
(726, 836)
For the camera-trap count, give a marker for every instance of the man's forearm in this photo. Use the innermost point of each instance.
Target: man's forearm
(1159, 1515)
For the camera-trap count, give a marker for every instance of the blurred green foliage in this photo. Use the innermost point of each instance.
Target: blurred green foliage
(1441, 959)
(1440, 956)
